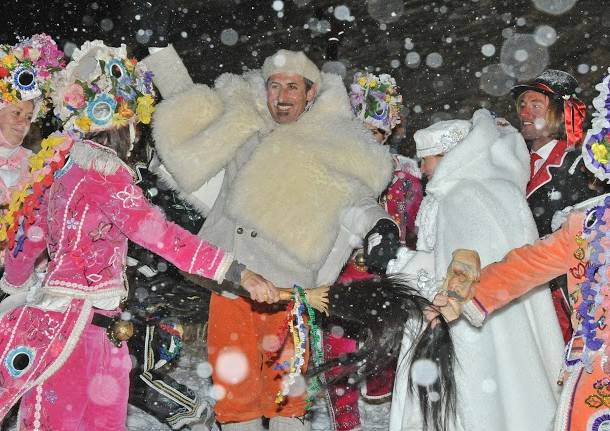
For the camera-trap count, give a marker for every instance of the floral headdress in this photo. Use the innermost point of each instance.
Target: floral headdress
(26, 70)
(375, 100)
(102, 88)
(596, 147)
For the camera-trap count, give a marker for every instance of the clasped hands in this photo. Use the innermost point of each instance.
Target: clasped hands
(260, 289)
(459, 286)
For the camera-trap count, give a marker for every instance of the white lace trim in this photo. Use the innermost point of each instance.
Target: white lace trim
(83, 287)
(426, 221)
(12, 288)
(426, 284)
(92, 296)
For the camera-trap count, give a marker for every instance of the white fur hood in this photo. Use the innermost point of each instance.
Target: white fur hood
(491, 156)
(490, 152)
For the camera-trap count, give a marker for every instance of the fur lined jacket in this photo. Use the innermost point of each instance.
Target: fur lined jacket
(296, 198)
(86, 217)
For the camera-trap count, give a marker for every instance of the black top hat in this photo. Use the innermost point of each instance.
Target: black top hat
(554, 83)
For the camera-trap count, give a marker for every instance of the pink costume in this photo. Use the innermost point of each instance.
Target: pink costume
(71, 374)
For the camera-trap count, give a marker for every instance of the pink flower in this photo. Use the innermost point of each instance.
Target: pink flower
(75, 96)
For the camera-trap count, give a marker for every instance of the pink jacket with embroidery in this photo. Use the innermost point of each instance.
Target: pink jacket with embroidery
(85, 221)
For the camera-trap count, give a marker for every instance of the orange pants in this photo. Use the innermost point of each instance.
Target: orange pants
(240, 335)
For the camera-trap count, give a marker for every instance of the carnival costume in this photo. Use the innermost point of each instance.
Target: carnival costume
(376, 101)
(476, 200)
(291, 204)
(559, 180)
(579, 249)
(55, 350)
(25, 74)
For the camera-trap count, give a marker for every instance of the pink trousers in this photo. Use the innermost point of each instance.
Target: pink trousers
(88, 393)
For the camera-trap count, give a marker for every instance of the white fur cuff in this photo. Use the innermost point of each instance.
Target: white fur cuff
(473, 314)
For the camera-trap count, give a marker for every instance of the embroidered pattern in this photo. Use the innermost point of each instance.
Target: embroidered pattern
(599, 421)
(129, 196)
(595, 298)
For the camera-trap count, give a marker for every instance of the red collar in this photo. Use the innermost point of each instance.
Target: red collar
(543, 176)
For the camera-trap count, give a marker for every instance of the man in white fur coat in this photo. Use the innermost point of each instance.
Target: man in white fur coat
(301, 177)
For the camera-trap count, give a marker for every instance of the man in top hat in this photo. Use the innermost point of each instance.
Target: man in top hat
(551, 122)
(301, 177)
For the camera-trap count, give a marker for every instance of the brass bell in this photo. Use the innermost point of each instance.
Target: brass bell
(122, 330)
(360, 261)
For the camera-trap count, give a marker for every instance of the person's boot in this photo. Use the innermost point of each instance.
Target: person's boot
(378, 388)
(253, 425)
(282, 423)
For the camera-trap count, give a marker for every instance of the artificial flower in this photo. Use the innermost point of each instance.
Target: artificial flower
(118, 120)
(9, 61)
(131, 63)
(145, 108)
(83, 123)
(124, 110)
(600, 152)
(74, 96)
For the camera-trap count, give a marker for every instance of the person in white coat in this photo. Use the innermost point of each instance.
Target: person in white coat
(506, 372)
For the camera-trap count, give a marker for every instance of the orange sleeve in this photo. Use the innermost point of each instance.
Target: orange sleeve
(527, 267)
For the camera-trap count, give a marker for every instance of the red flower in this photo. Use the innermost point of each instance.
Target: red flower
(4, 72)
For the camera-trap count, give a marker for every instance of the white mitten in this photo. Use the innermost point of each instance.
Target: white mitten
(169, 73)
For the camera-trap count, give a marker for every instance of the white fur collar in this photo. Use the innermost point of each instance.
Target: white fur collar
(489, 152)
(303, 174)
(91, 155)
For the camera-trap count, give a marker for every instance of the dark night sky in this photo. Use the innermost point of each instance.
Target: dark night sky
(452, 33)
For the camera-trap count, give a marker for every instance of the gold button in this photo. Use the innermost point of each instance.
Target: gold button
(240, 230)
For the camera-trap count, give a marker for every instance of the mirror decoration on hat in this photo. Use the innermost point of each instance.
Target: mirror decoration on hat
(102, 88)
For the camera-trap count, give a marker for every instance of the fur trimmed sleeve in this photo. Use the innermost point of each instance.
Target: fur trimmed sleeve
(197, 132)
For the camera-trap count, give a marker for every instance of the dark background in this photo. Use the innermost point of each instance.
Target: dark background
(457, 30)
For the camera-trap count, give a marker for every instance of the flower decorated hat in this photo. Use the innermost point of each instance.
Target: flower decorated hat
(375, 100)
(26, 70)
(596, 146)
(102, 88)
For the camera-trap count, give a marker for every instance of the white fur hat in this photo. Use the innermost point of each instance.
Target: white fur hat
(285, 61)
(440, 137)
